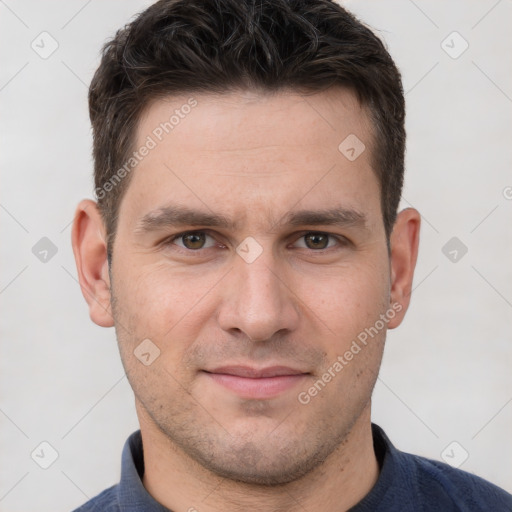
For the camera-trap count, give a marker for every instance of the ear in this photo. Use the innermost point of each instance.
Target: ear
(404, 253)
(90, 250)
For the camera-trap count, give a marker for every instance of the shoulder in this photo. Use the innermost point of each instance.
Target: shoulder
(412, 483)
(106, 501)
(440, 482)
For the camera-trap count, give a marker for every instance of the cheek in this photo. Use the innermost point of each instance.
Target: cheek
(167, 307)
(346, 301)
(163, 303)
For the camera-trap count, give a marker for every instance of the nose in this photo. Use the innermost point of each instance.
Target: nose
(257, 300)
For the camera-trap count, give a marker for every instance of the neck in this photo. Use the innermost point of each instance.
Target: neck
(180, 483)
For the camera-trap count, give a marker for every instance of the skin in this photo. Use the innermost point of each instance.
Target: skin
(253, 158)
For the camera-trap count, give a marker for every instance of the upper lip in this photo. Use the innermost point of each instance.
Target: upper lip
(256, 373)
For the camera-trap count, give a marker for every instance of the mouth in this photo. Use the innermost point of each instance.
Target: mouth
(256, 383)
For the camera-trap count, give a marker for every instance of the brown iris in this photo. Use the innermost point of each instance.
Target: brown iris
(193, 240)
(316, 240)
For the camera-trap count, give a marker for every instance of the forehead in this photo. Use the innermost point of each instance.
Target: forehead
(251, 119)
(242, 153)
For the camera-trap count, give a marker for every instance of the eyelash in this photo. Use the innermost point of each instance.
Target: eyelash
(341, 241)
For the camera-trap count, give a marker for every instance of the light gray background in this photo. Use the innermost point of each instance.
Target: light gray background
(446, 374)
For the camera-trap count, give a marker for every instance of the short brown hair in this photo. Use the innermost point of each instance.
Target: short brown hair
(194, 46)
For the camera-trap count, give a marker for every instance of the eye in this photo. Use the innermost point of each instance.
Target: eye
(318, 241)
(192, 240)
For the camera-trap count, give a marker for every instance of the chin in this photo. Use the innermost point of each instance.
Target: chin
(264, 466)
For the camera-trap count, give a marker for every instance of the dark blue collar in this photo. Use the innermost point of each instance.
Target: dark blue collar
(406, 482)
(131, 494)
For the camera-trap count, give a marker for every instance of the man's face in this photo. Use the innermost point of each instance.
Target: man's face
(274, 285)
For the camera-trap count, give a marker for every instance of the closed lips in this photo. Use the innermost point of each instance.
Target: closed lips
(254, 373)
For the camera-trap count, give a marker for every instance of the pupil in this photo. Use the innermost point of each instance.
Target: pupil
(318, 241)
(194, 240)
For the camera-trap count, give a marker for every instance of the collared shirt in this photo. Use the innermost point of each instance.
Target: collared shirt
(406, 483)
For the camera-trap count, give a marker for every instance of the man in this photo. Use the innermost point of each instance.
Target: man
(247, 248)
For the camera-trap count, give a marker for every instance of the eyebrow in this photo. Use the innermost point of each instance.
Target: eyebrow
(176, 216)
(343, 217)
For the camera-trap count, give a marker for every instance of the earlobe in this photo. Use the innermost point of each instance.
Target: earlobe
(404, 253)
(90, 250)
